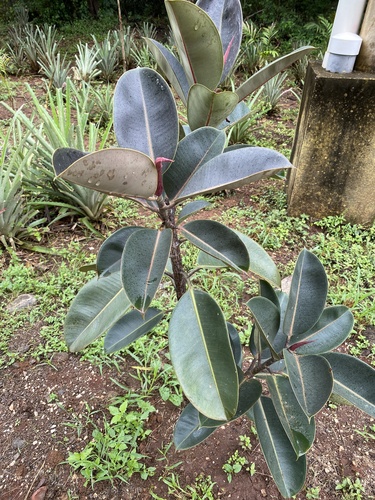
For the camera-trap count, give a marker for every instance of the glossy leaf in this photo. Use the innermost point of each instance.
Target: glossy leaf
(198, 41)
(143, 263)
(208, 108)
(332, 329)
(131, 327)
(267, 291)
(202, 356)
(235, 343)
(307, 296)
(110, 253)
(188, 431)
(219, 241)
(299, 429)
(227, 16)
(250, 392)
(288, 472)
(63, 157)
(192, 208)
(97, 306)
(115, 171)
(269, 71)
(233, 169)
(261, 263)
(145, 114)
(311, 380)
(354, 380)
(267, 320)
(193, 151)
(171, 67)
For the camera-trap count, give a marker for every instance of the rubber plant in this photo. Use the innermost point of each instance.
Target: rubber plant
(293, 369)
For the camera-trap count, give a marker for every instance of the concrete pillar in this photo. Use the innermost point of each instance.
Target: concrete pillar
(334, 147)
(366, 59)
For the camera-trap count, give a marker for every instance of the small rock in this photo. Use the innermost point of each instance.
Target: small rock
(18, 443)
(286, 284)
(40, 493)
(60, 357)
(22, 302)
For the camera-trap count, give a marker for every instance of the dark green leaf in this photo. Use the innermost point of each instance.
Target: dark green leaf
(192, 208)
(63, 157)
(333, 327)
(193, 151)
(354, 381)
(311, 380)
(267, 320)
(131, 327)
(235, 343)
(307, 295)
(188, 432)
(110, 253)
(202, 356)
(219, 241)
(233, 169)
(300, 431)
(98, 305)
(198, 41)
(145, 114)
(143, 263)
(288, 473)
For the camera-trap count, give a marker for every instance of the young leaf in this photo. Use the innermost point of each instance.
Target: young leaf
(188, 431)
(115, 171)
(145, 114)
(202, 356)
(299, 429)
(233, 169)
(208, 108)
(227, 16)
(333, 327)
(98, 305)
(288, 472)
(143, 263)
(307, 295)
(311, 380)
(219, 241)
(131, 327)
(198, 41)
(353, 380)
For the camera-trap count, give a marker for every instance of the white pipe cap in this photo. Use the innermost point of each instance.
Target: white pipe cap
(347, 44)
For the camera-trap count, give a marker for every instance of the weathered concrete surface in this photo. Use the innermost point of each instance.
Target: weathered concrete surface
(334, 147)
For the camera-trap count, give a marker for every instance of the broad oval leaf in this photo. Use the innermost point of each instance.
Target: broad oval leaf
(188, 431)
(250, 392)
(261, 263)
(198, 41)
(227, 16)
(143, 263)
(267, 319)
(311, 380)
(288, 472)
(233, 169)
(307, 296)
(96, 307)
(193, 151)
(110, 253)
(115, 171)
(131, 327)
(208, 108)
(63, 157)
(271, 70)
(202, 356)
(145, 114)
(333, 327)
(353, 380)
(219, 241)
(192, 208)
(299, 429)
(235, 343)
(171, 68)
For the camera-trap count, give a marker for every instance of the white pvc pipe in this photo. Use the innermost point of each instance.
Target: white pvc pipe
(348, 20)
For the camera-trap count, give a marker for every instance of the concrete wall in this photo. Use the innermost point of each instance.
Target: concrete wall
(334, 147)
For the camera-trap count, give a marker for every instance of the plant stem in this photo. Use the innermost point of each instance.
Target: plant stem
(167, 215)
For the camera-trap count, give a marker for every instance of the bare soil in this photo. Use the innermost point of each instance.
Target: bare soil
(36, 440)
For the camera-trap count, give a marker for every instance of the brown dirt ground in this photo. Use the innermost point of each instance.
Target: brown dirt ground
(35, 440)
